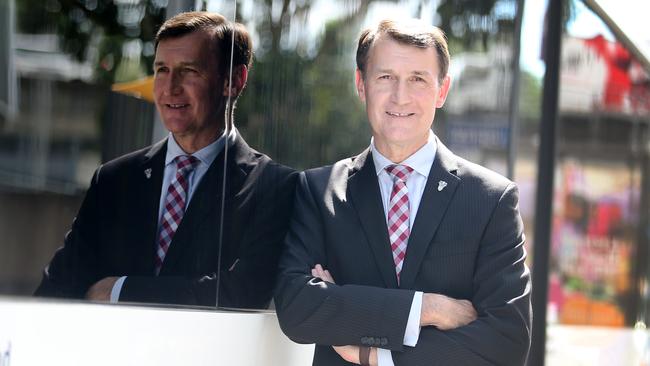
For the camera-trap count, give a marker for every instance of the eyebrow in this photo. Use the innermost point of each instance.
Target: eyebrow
(421, 73)
(184, 63)
(416, 72)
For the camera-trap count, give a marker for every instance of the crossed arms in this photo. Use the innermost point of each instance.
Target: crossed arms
(313, 310)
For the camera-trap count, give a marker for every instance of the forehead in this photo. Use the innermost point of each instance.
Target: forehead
(387, 53)
(192, 47)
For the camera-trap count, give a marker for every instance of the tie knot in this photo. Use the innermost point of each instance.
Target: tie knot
(399, 172)
(186, 162)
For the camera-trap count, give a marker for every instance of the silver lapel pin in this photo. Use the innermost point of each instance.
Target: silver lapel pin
(441, 185)
(147, 173)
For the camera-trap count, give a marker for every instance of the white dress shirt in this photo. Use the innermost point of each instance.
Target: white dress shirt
(205, 156)
(421, 162)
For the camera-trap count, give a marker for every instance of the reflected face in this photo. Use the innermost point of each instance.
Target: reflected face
(401, 91)
(188, 87)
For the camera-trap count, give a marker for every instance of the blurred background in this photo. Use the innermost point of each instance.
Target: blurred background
(75, 92)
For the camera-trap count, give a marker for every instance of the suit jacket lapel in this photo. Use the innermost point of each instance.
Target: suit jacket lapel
(432, 209)
(206, 203)
(365, 197)
(151, 175)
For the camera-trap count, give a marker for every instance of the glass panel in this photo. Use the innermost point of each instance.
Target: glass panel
(61, 120)
(530, 104)
(76, 91)
(301, 107)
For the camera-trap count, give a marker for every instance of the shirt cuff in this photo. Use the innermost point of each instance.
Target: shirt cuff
(412, 333)
(117, 288)
(384, 357)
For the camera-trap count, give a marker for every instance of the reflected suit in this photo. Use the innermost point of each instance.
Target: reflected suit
(115, 232)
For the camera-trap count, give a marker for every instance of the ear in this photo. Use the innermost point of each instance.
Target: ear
(443, 91)
(239, 78)
(361, 87)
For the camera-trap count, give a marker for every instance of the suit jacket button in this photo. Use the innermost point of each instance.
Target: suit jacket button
(364, 341)
(376, 341)
(384, 341)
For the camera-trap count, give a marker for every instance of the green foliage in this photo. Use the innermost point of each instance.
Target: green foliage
(530, 97)
(36, 16)
(469, 24)
(95, 29)
(300, 105)
(304, 112)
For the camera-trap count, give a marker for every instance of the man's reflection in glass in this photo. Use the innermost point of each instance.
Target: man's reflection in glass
(149, 229)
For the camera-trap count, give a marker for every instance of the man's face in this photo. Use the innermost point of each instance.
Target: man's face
(188, 87)
(401, 92)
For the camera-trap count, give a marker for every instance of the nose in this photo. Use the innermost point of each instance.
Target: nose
(174, 84)
(400, 94)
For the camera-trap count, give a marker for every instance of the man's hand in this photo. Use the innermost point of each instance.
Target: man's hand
(322, 273)
(438, 310)
(101, 291)
(348, 353)
(351, 354)
(445, 312)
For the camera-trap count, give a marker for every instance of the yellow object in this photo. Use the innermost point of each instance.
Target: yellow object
(142, 88)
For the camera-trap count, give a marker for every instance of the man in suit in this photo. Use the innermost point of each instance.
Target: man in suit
(151, 227)
(405, 254)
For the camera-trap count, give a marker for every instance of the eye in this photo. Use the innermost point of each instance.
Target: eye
(384, 77)
(418, 79)
(189, 70)
(161, 69)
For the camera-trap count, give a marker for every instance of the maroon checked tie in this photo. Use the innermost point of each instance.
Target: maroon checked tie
(175, 202)
(398, 214)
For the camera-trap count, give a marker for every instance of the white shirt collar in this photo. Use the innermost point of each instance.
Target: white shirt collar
(420, 161)
(206, 155)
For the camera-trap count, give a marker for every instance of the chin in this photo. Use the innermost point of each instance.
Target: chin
(406, 140)
(176, 127)
(400, 136)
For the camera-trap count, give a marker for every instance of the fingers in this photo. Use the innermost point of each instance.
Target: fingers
(445, 312)
(101, 291)
(461, 312)
(317, 271)
(348, 353)
(327, 276)
(466, 313)
(320, 272)
(471, 312)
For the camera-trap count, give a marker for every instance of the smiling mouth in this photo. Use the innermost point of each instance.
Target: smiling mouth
(395, 114)
(176, 106)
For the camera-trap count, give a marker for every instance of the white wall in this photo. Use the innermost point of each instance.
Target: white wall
(55, 333)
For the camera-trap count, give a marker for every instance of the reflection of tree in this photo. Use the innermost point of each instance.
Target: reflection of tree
(469, 24)
(301, 107)
(97, 29)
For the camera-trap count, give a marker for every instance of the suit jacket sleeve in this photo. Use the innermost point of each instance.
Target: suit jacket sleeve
(501, 334)
(314, 311)
(246, 282)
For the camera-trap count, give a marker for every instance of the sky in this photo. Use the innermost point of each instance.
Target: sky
(632, 17)
(629, 15)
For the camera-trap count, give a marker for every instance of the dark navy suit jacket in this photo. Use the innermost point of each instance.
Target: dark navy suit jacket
(467, 242)
(115, 232)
